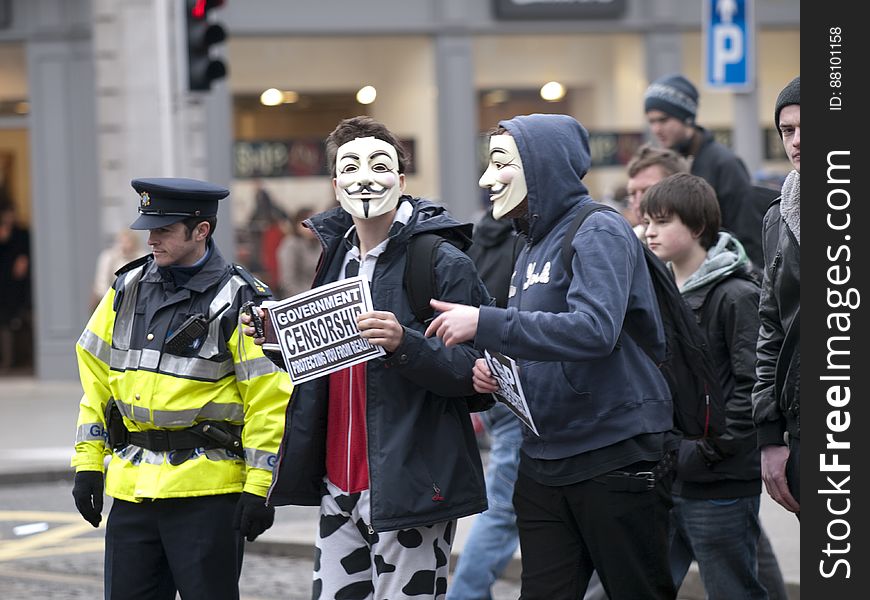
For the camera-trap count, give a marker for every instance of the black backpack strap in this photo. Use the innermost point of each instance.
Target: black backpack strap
(576, 223)
(420, 281)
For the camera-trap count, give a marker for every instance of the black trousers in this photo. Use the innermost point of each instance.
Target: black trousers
(155, 548)
(567, 532)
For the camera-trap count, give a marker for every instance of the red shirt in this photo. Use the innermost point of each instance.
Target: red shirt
(346, 454)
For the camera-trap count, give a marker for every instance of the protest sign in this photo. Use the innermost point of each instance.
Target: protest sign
(510, 391)
(316, 330)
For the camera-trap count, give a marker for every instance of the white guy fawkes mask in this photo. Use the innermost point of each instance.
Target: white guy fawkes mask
(367, 180)
(504, 176)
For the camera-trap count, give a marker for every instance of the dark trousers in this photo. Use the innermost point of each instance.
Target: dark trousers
(155, 548)
(567, 532)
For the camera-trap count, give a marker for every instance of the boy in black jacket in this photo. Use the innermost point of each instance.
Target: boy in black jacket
(715, 515)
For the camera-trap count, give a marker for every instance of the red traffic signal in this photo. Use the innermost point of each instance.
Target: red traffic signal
(202, 35)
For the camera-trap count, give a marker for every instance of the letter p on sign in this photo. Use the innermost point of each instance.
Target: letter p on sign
(729, 44)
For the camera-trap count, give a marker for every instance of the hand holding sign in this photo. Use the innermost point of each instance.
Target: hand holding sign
(248, 326)
(504, 371)
(381, 328)
(457, 323)
(484, 382)
(318, 331)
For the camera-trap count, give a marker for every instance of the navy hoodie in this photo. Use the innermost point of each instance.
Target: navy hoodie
(587, 386)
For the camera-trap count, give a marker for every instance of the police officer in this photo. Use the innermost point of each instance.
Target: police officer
(188, 408)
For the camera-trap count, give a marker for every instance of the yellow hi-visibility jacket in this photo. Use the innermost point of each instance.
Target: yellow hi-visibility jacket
(221, 376)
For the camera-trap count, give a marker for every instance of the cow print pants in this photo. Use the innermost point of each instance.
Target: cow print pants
(352, 561)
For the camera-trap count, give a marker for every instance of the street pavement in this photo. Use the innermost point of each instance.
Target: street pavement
(39, 428)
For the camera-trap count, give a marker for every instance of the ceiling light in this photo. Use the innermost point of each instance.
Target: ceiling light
(366, 94)
(271, 97)
(552, 91)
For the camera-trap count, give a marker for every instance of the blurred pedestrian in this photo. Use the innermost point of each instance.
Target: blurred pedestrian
(15, 299)
(188, 409)
(648, 166)
(126, 247)
(265, 217)
(776, 396)
(671, 105)
(298, 254)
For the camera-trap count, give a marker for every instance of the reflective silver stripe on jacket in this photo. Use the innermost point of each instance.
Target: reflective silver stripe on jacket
(121, 359)
(196, 368)
(260, 459)
(249, 369)
(211, 411)
(90, 432)
(91, 342)
(152, 360)
(123, 330)
(226, 294)
(137, 455)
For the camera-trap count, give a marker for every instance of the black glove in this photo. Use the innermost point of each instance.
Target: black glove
(88, 494)
(252, 516)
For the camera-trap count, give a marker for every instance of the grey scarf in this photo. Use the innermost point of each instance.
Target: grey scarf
(790, 206)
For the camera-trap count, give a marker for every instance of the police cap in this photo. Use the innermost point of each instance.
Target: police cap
(167, 200)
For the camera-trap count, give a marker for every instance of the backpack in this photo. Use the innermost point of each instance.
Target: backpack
(419, 279)
(699, 404)
(420, 286)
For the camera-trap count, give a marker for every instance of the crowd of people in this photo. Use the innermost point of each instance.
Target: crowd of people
(208, 434)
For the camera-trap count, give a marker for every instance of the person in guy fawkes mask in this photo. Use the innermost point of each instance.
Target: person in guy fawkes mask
(386, 448)
(593, 489)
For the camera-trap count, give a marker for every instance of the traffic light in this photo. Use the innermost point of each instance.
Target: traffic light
(202, 35)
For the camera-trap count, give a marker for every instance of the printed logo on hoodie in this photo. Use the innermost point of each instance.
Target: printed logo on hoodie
(532, 278)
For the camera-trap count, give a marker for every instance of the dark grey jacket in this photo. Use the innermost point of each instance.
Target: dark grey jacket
(741, 210)
(777, 412)
(424, 464)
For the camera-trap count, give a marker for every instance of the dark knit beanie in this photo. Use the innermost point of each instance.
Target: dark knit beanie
(674, 95)
(790, 94)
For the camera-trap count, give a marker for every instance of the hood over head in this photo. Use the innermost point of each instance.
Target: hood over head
(555, 154)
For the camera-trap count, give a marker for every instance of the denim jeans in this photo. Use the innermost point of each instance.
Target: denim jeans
(493, 537)
(722, 536)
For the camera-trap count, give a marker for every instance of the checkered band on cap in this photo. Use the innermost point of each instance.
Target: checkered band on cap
(670, 95)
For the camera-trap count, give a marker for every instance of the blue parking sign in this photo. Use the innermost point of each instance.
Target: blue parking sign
(729, 44)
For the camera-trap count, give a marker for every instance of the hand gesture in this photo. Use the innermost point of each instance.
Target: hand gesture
(457, 323)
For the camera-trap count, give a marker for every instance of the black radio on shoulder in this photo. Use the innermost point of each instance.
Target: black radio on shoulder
(193, 328)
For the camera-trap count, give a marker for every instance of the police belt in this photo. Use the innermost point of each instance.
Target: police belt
(208, 434)
(641, 481)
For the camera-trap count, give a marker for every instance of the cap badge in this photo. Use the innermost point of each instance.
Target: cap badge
(146, 199)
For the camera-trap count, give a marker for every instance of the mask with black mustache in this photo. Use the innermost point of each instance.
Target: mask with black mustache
(367, 182)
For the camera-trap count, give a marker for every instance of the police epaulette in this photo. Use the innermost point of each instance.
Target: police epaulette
(260, 288)
(133, 264)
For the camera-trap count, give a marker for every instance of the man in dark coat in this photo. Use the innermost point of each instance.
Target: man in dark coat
(671, 105)
(776, 396)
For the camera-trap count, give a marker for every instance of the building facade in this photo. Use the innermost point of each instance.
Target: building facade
(103, 87)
